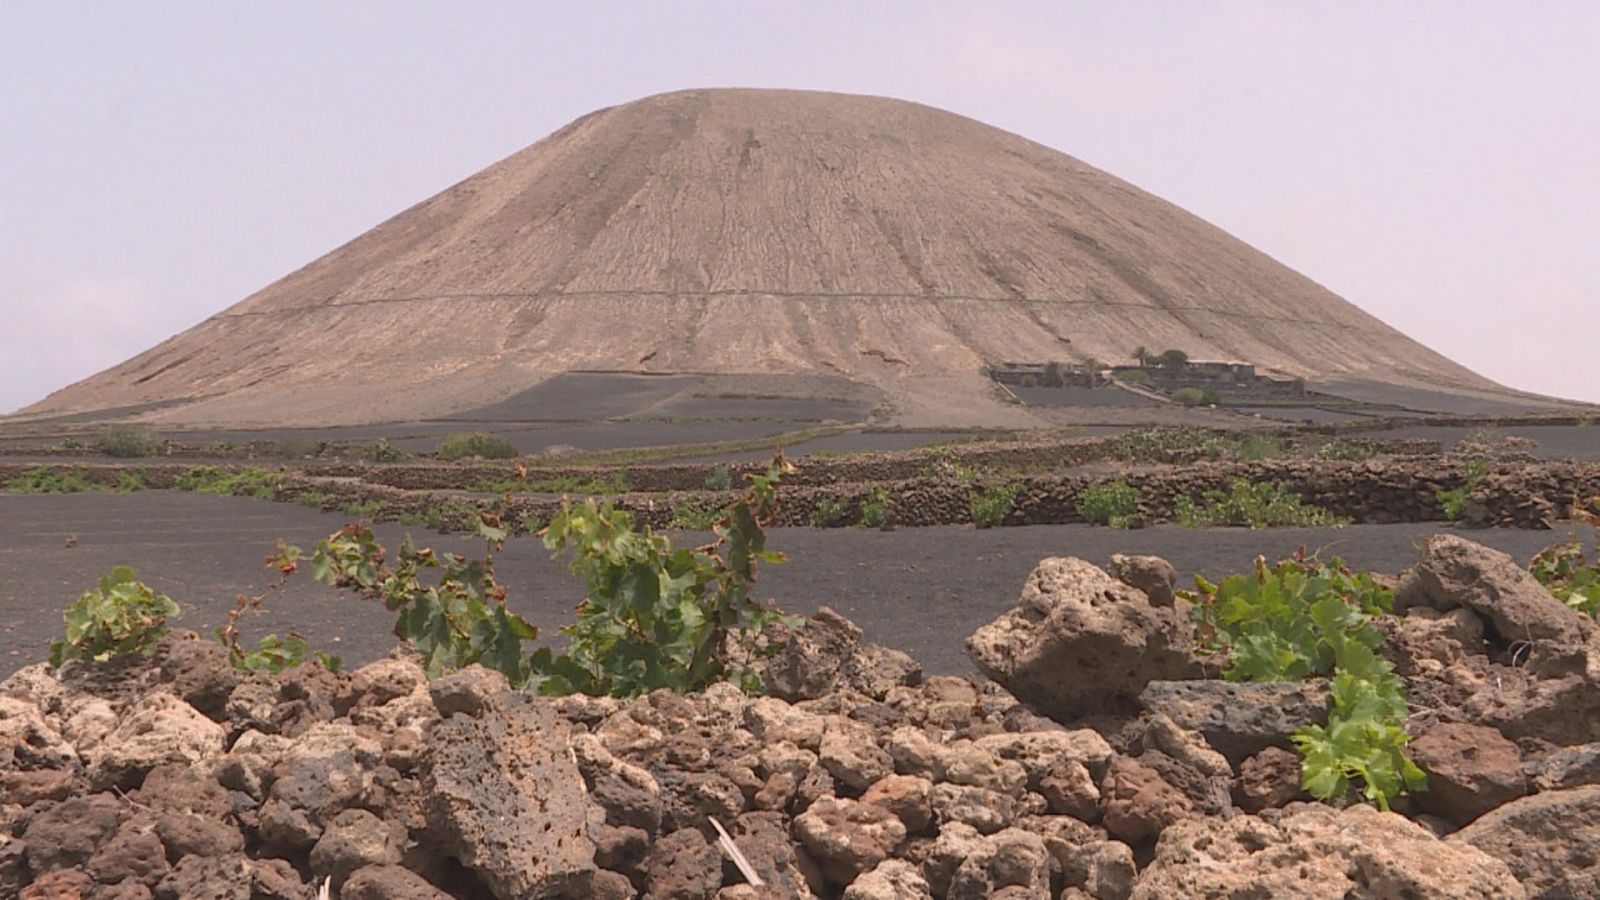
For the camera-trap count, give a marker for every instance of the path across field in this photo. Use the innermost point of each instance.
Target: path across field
(922, 590)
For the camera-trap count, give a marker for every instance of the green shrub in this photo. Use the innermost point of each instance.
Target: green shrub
(312, 499)
(1256, 504)
(361, 509)
(475, 444)
(117, 617)
(829, 512)
(249, 482)
(460, 620)
(292, 449)
(1305, 619)
(1344, 451)
(131, 481)
(1259, 446)
(1142, 445)
(1114, 503)
(990, 505)
(48, 480)
(1565, 570)
(695, 516)
(128, 442)
(655, 616)
(1454, 500)
(384, 452)
(720, 479)
(874, 508)
(1189, 396)
(1136, 378)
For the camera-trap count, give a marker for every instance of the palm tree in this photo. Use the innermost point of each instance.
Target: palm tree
(1142, 355)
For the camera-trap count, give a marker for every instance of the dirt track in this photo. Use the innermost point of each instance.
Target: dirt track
(922, 590)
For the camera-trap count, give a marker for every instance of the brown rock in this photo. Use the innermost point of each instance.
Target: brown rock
(1455, 572)
(467, 691)
(389, 883)
(504, 796)
(64, 884)
(1471, 770)
(1314, 851)
(1136, 804)
(847, 837)
(198, 671)
(683, 866)
(1549, 841)
(1268, 779)
(987, 811)
(67, 834)
(907, 796)
(135, 853)
(29, 786)
(1150, 574)
(355, 839)
(1070, 790)
(1080, 642)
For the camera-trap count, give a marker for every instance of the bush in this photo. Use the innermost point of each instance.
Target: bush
(829, 512)
(1304, 619)
(1344, 451)
(384, 452)
(1161, 444)
(1256, 504)
(1114, 503)
(695, 516)
(292, 449)
(1136, 377)
(1189, 396)
(128, 442)
(1260, 446)
(990, 505)
(475, 444)
(46, 480)
(117, 617)
(1454, 500)
(720, 479)
(250, 482)
(874, 508)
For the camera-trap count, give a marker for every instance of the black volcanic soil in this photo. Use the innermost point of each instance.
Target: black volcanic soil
(923, 590)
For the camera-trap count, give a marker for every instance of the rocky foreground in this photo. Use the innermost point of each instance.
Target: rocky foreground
(1102, 758)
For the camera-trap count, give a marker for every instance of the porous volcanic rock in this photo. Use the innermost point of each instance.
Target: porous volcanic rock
(504, 795)
(1471, 770)
(1239, 719)
(1316, 851)
(1081, 642)
(1455, 572)
(1549, 841)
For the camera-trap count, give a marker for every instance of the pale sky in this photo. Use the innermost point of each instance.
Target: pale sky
(1436, 164)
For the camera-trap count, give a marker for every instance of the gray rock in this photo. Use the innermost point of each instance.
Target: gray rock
(1549, 841)
(504, 795)
(1238, 719)
(353, 840)
(893, 879)
(469, 691)
(67, 834)
(1567, 767)
(389, 883)
(1455, 572)
(1314, 851)
(1150, 574)
(156, 730)
(1080, 642)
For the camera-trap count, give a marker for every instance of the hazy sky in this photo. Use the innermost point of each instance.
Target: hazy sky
(1436, 164)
